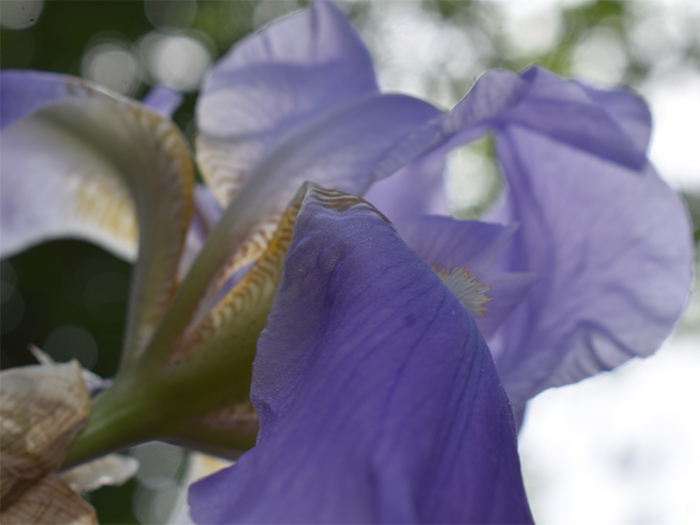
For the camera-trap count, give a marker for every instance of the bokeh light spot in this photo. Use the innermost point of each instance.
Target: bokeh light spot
(72, 342)
(176, 60)
(20, 14)
(113, 66)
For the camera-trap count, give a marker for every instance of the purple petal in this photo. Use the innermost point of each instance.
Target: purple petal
(507, 291)
(473, 245)
(614, 246)
(293, 70)
(561, 109)
(24, 92)
(377, 396)
(414, 190)
(163, 100)
(629, 112)
(339, 149)
(452, 243)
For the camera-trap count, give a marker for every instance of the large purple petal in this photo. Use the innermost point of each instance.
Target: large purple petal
(292, 71)
(614, 247)
(377, 396)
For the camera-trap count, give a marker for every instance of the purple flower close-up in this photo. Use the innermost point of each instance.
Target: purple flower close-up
(392, 372)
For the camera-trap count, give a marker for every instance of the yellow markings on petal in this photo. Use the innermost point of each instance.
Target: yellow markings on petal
(223, 168)
(226, 432)
(106, 203)
(42, 408)
(256, 288)
(470, 292)
(142, 154)
(165, 209)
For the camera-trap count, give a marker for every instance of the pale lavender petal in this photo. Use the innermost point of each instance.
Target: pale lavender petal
(614, 246)
(607, 124)
(163, 100)
(24, 92)
(565, 111)
(291, 71)
(377, 396)
(108, 170)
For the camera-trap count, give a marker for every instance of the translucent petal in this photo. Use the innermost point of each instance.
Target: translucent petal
(295, 69)
(614, 249)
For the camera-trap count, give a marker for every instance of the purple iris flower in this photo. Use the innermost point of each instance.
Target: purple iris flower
(377, 396)
(591, 268)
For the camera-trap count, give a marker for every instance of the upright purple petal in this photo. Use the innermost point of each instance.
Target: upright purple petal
(629, 112)
(614, 247)
(377, 396)
(565, 111)
(543, 102)
(293, 70)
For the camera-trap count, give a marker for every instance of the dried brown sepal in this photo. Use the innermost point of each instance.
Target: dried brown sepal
(42, 408)
(49, 500)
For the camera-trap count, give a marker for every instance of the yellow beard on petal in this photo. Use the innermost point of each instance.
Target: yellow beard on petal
(470, 292)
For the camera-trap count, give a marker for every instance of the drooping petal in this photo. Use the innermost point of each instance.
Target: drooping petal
(377, 396)
(293, 70)
(88, 167)
(614, 247)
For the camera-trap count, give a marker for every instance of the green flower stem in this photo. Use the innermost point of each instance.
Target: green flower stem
(132, 412)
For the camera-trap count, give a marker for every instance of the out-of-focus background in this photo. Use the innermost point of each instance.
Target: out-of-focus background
(623, 447)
